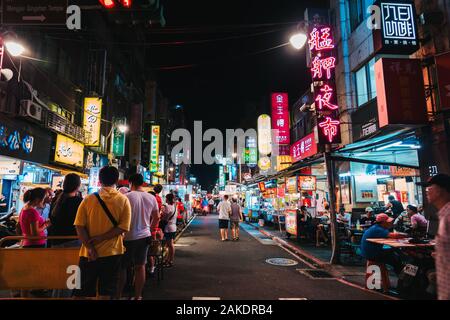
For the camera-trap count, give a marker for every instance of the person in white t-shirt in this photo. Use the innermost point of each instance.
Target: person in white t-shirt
(144, 208)
(224, 209)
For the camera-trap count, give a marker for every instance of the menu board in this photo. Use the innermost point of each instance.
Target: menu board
(291, 184)
(291, 221)
(306, 183)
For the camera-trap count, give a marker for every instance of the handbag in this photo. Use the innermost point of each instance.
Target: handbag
(155, 247)
(163, 222)
(106, 210)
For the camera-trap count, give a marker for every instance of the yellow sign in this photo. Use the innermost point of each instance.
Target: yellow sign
(154, 148)
(283, 162)
(92, 120)
(69, 151)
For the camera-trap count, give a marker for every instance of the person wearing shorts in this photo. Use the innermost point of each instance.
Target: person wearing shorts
(169, 215)
(144, 206)
(224, 209)
(101, 220)
(236, 217)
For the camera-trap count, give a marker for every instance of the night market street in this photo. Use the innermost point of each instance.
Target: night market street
(207, 268)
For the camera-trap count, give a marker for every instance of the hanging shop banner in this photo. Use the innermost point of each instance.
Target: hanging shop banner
(281, 191)
(304, 148)
(94, 181)
(94, 159)
(291, 221)
(291, 185)
(262, 186)
(404, 172)
(57, 182)
(398, 33)
(270, 193)
(221, 177)
(323, 65)
(283, 162)
(443, 75)
(161, 164)
(307, 183)
(252, 147)
(118, 138)
(264, 135)
(280, 117)
(400, 92)
(154, 148)
(69, 151)
(92, 120)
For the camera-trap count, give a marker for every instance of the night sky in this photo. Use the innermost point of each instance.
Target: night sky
(227, 83)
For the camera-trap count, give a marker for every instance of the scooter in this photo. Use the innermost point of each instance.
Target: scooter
(8, 227)
(417, 280)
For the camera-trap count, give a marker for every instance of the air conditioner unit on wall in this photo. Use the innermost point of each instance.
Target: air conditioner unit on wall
(30, 109)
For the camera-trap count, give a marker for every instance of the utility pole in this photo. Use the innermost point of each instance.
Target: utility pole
(335, 254)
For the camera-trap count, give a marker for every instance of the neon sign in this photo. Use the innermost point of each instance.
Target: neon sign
(323, 65)
(14, 141)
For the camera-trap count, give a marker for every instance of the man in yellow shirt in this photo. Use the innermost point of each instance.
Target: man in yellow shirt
(101, 221)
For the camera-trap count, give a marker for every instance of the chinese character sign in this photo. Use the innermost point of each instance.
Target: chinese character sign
(15, 141)
(69, 151)
(264, 135)
(280, 117)
(323, 64)
(154, 149)
(92, 120)
(398, 23)
(118, 138)
(304, 148)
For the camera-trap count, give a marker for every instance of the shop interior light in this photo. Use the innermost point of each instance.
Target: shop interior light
(346, 174)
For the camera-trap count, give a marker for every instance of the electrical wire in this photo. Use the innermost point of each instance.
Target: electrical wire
(170, 43)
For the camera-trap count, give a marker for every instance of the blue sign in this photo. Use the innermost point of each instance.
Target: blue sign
(14, 141)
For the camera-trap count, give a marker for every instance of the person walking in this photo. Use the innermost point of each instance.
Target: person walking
(224, 209)
(64, 210)
(101, 220)
(236, 217)
(157, 233)
(438, 194)
(136, 241)
(31, 223)
(168, 224)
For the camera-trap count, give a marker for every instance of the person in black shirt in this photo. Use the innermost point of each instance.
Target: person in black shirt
(397, 207)
(369, 218)
(64, 210)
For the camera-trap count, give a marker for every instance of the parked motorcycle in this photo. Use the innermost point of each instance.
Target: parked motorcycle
(8, 227)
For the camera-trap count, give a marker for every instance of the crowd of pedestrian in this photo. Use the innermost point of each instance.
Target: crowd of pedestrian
(113, 227)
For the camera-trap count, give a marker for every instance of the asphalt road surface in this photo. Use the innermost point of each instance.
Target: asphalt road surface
(207, 268)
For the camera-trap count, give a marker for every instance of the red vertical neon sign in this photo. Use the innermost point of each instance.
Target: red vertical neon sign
(323, 64)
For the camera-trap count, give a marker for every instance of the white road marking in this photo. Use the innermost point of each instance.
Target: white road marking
(205, 298)
(292, 299)
(257, 235)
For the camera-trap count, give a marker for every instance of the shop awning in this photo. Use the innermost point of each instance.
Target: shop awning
(396, 147)
(65, 172)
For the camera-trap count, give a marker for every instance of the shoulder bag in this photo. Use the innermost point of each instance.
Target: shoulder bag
(106, 210)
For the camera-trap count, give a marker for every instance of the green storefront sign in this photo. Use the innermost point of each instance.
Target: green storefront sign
(118, 138)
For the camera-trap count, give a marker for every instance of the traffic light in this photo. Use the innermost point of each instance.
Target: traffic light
(109, 4)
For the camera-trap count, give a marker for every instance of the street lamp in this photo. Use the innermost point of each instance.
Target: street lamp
(122, 128)
(14, 48)
(298, 40)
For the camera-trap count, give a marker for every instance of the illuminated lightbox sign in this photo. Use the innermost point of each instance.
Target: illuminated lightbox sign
(92, 120)
(280, 117)
(69, 151)
(154, 148)
(398, 28)
(264, 135)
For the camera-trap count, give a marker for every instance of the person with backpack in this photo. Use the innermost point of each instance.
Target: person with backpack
(168, 224)
(101, 221)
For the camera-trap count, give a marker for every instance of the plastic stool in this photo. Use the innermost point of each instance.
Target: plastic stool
(385, 282)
